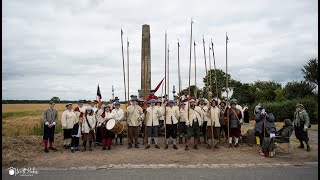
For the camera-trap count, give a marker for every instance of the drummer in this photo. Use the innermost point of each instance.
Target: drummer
(118, 115)
(106, 134)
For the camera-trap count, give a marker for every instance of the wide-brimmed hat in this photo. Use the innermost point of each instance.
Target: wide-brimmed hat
(68, 104)
(152, 101)
(89, 108)
(171, 101)
(134, 99)
(116, 103)
(299, 105)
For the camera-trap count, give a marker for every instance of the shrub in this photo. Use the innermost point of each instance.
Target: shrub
(285, 109)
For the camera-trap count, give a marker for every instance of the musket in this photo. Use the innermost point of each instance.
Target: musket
(195, 69)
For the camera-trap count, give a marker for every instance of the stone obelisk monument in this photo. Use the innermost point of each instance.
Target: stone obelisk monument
(145, 62)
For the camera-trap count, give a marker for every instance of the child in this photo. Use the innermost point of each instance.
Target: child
(88, 127)
(76, 133)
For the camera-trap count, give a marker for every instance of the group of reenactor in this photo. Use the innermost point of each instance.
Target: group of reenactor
(183, 118)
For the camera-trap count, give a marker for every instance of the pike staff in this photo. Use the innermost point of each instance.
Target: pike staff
(188, 142)
(190, 71)
(216, 79)
(227, 88)
(195, 69)
(165, 89)
(215, 69)
(124, 79)
(127, 104)
(205, 63)
(210, 75)
(179, 77)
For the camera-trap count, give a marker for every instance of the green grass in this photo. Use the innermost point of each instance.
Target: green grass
(38, 129)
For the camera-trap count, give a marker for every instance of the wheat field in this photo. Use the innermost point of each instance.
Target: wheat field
(26, 119)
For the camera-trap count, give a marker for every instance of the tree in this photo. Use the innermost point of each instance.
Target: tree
(221, 78)
(279, 94)
(244, 93)
(264, 90)
(310, 71)
(297, 89)
(55, 99)
(192, 91)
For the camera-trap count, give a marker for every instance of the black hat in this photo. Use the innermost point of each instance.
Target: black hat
(152, 90)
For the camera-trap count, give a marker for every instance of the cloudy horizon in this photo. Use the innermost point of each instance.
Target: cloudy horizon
(66, 48)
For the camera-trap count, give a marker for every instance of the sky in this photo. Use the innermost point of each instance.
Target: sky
(66, 48)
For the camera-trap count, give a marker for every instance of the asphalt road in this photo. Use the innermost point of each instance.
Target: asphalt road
(306, 172)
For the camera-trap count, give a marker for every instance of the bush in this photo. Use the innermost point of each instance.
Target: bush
(285, 109)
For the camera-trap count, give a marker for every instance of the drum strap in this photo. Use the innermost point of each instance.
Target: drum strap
(88, 123)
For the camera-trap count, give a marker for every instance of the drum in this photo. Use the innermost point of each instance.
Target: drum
(115, 127)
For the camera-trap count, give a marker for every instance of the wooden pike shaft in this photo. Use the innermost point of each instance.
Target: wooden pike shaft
(210, 75)
(179, 78)
(128, 102)
(195, 69)
(124, 71)
(165, 88)
(227, 88)
(205, 63)
(215, 69)
(190, 71)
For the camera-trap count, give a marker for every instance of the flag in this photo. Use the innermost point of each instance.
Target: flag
(155, 90)
(158, 86)
(99, 97)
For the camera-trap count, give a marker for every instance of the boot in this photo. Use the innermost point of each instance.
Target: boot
(166, 146)
(90, 144)
(308, 148)
(195, 144)
(84, 146)
(187, 148)
(205, 138)
(175, 147)
(147, 147)
(180, 140)
(130, 146)
(301, 145)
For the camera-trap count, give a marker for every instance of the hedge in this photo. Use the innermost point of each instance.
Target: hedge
(285, 109)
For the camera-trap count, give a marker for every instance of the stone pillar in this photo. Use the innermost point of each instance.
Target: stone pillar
(145, 62)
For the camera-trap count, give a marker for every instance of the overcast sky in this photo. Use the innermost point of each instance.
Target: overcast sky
(65, 48)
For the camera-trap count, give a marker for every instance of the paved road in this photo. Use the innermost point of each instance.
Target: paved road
(306, 172)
